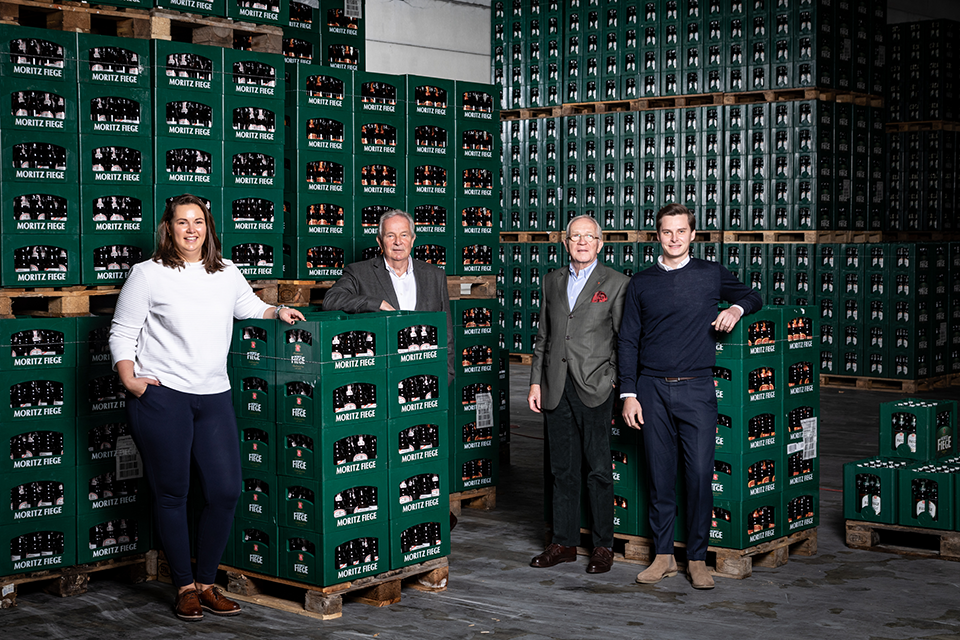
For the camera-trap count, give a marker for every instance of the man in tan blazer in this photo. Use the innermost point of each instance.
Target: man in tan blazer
(571, 382)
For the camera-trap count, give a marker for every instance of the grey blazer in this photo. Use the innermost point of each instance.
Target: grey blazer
(364, 285)
(581, 341)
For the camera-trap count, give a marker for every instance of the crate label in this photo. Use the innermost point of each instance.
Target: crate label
(352, 571)
(423, 405)
(809, 438)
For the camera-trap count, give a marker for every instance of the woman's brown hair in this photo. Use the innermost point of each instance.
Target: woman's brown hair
(166, 252)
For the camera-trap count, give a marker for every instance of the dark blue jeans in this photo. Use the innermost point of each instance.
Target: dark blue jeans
(574, 432)
(684, 411)
(172, 430)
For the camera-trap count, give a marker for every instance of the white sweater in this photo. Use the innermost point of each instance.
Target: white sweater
(176, 325)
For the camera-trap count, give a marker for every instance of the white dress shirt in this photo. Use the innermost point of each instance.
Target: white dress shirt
(405, 286)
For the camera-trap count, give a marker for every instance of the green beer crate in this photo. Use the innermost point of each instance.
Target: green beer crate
(304, 16)
(472, 470)
(298, 347)
(112, 209)
(113, 62)
(801, 466)
(803, 374)
(750, 429)
(47, 396)
(39, 494)
(801, 418)
(259, 258)
(317, 257)
(99, 492)
(928, 494)
(337, 343)
(39, 157)
(254, 546)
(470, 435)
(253, 120)
(255, 393)
(107, 259)
(476, 218)
(380, 94)
(188, 114)
(740, 525)
(416, 438)
(298, 401)
(761, 333)
(188, 162)
(99, 391)
(204, 7)
(354, 396)
(40, 106)
(39, 54)
(299, 504)
(422, 486)
(254, 344)
(352, 449)
(355, 552)
(739, 477)
(40, 209)
(93, 335)
(464, 394)
(316, 215)
(258, 446)
(420, 536)
(315, 171)
(259, 497)
(103, 160)
(432, 216)
(253, 167)
(187, 70)
(379, 178)
(744, 382)
(421, 390)
(415, 338)
(300, 556)
(322, 90)
(39, 545)
(113, 533)
(52, 446)
(319, 129)
(475, 354)
(295, 451)
(870, 489)
(474, 256)
(248, 210)
(430, 179)
(38, 343)
(353, 501)
(97, 438)
(249, 74)
(918, 429)
(274, 12)
(801, 509)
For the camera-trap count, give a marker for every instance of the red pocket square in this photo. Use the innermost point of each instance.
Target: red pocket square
(599, 296)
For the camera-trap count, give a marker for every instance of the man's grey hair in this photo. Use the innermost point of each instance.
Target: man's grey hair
(591, 219)
(392, 213)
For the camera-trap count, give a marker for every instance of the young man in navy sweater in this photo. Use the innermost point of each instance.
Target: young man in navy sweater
(667, 351)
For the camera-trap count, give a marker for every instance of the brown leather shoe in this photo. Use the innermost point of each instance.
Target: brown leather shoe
(554, 554)
(187, 606)
(214, 602)
(601, 560)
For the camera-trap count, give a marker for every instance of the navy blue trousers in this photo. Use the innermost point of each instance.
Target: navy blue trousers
(577, 432)
(684, 411)
(173, 430)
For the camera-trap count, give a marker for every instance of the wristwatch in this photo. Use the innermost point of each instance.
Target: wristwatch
(279, 308)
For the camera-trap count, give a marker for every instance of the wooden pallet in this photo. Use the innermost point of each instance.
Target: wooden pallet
(484, 499)
(780, 95)
(521, 358)
(472, 287)
(267, 290)
(57, 302)
(155, 24)
(925, 125)
(793, 237)
(73, 581)
(905, 541)
(326, 603)
(674, 102)
(920, 236)
(302, 293)
(726, 563)
(886, 384)
(530, 236)
(531, 113)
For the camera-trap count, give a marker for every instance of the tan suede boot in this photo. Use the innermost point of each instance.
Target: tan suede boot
(663, 566)
(699, 574)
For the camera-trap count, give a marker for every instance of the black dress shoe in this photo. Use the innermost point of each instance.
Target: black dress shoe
(553, 555)
(600, 560)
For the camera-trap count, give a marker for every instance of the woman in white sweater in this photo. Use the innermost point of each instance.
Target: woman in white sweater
(170, 339)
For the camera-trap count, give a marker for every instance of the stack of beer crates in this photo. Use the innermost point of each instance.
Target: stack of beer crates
(344, 445)
(913, 481)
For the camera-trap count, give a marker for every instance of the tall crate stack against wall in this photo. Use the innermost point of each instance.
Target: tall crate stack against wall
(70, 505)
(117, 218)
(766, 474)
(301, 33)
(39, 152)
(913, 481)
(347, 476)
(320, 216)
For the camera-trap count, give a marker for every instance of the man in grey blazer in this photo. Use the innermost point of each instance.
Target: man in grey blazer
(394, 281)
(571, 382)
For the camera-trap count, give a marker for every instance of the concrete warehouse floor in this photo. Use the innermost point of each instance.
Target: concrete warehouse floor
(493, 593)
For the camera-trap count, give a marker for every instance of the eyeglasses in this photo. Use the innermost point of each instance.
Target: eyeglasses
(589, 237)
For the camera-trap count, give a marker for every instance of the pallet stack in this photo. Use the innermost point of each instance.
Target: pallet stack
(345, 445)
(912, 481)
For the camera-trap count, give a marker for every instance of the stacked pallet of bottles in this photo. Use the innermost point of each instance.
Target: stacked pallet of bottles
(344, 445)
(102, 131)
(66, 428)
(766, 470)
(324, 32)
(360, 144)
(548, 52)
(914, 479)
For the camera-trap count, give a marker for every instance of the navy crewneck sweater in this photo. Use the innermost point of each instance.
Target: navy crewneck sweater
(666, 330)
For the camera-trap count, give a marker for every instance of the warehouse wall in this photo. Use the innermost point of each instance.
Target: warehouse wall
(436, 38)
